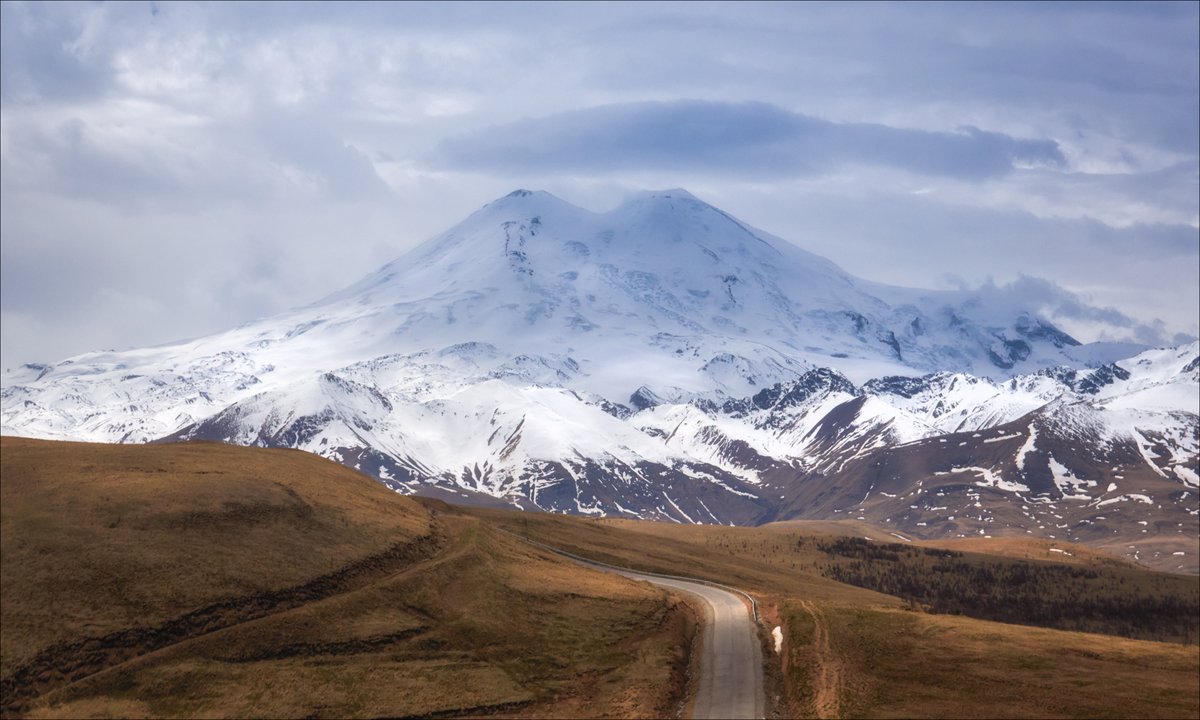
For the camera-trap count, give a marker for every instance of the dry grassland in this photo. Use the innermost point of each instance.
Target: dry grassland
(98, 538)
(1013, 546)
(907, 664)
(849, 652)
(214, 581)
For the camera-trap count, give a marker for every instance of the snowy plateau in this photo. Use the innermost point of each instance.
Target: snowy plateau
(666, 361)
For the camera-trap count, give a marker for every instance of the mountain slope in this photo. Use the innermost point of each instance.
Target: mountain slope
(533, 289)
(661, 360)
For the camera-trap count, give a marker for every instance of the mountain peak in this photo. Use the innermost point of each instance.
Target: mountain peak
(670, 194)
(662, 198)
(530, 265)
(522, 196)
(528, 203)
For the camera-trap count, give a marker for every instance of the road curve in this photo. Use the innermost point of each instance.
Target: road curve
(731, 668)
(731, 680)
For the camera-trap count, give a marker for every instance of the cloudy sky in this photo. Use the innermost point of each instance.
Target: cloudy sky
(172, 170)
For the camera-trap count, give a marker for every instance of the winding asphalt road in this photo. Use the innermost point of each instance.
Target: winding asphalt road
(731, 677)
(731, 680)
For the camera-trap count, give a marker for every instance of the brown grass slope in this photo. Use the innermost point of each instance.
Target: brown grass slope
(207, 580)
(1024, 548)
(850, 652)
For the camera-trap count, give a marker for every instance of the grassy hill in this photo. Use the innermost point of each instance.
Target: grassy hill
(190, 580)
(198, 579)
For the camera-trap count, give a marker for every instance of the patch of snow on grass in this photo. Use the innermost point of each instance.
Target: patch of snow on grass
(1126, 498)
(1187, 475)
(1002, 437)
(993, 479)
(1029, 446)
(1071, 487)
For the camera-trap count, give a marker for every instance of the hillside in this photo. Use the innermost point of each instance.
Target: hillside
(203, 579)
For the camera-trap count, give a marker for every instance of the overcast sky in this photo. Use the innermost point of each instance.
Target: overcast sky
(172, 170)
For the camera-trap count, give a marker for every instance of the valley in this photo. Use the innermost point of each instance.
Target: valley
(201, 579)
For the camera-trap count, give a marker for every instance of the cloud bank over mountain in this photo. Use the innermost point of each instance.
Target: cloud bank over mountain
(169, 170)
(752, 140)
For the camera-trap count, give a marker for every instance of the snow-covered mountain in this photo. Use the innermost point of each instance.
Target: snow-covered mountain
(661, 360)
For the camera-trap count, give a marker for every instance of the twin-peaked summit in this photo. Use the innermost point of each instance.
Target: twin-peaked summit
(670, 280)
(663, 276)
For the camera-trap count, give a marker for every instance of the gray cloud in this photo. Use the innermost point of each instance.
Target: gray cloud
(275, 157)
(166, 174)
(1065, 306)
(749, 139)
(45, 58)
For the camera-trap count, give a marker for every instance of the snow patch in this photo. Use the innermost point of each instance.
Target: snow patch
(1000, 438)
(1029, 446)
(991, 479)
(1126, 498)
(1071, 487)
(1187, 475)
